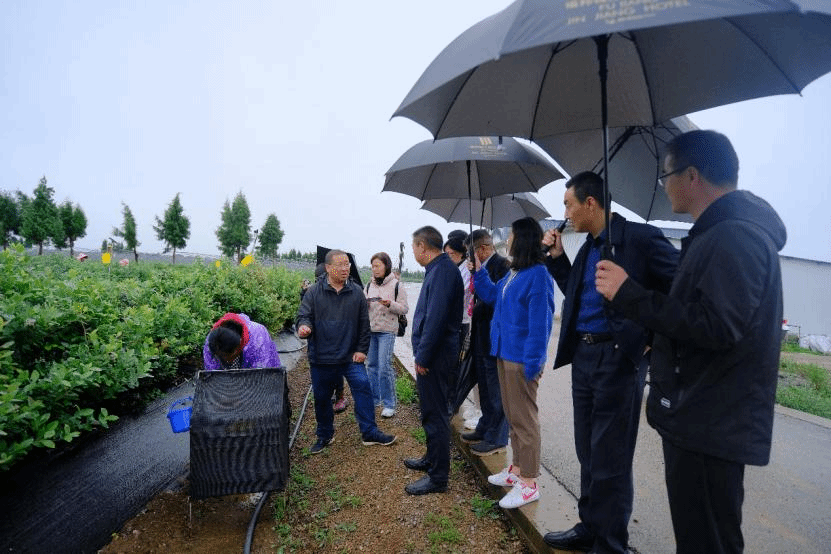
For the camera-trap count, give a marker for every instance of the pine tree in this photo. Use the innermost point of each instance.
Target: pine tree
(270, 237)
(127, 231)
(74, 223)
(9, 218)
(40, 220)
(234, 233)
(174, 229)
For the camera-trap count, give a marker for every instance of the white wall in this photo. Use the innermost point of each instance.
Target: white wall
(806, 287)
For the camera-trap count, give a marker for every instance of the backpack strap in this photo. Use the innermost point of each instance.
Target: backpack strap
(396, 290)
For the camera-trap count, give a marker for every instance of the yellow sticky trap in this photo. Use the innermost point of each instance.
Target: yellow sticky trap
(217, 263)
(105, 258)
(247, 260)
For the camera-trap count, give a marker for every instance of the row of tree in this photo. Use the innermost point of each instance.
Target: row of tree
(38, 220)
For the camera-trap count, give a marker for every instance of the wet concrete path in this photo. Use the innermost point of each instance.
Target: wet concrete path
(74, 502)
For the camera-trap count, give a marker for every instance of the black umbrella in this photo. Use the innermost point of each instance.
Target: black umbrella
(540, 68)
(634, 160)
(492, 213)
(469, 167)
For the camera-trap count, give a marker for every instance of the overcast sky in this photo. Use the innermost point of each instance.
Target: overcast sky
(290, 103)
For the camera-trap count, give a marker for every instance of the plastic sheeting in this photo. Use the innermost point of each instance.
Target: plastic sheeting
(817, 343)
(239, 432)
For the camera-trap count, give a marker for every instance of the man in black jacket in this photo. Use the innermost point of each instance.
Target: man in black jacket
(606, 353)
(491, 433)
(435, 336)
(333, 315)
(716, 349)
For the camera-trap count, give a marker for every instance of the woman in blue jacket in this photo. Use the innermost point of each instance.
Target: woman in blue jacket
(523, 304)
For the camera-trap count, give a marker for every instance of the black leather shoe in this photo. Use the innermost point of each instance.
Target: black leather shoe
(425, 485)
(575, 538)
(471, 437)
(418, 464)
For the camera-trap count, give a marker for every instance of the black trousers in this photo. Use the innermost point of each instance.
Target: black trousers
(493, 425)
(607, 390)
(433, 393)
(705, 499)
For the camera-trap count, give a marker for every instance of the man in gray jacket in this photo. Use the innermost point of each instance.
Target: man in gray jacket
(716, 350)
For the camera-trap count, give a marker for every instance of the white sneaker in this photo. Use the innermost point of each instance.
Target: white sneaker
(520, 495)
(504, 478)
(387, 412)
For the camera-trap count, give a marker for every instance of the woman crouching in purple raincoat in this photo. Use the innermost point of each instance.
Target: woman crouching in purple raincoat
(236, 342)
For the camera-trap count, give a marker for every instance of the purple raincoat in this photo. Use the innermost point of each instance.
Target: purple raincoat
(258, 348)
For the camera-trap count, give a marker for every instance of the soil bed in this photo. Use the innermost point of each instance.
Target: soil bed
(349, 498)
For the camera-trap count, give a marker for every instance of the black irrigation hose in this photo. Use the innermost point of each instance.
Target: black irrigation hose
(249, 538)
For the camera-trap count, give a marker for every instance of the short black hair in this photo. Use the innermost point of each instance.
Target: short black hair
(588, 183)
(330, 255)
(710, 152)
(225, 339)
(478, 236)
(430, 236)
(526, 246)
(456, 241)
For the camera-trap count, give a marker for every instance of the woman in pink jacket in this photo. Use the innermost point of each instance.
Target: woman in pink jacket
(387, 300)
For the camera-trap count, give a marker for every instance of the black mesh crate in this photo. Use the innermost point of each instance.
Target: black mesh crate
(239, 432)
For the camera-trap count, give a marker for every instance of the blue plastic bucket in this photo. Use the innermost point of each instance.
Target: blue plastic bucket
(180, 417)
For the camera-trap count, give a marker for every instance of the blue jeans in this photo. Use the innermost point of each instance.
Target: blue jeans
(325, 378)
(379, 368)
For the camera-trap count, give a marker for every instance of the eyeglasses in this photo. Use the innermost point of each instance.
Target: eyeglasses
(662, 178)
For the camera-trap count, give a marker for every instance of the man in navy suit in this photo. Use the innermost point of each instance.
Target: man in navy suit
(607, 356)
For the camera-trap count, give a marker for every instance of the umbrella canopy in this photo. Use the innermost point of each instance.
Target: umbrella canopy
(539, 68)
(469, 167)
(634, 162)
(492, 213)
(531, 70)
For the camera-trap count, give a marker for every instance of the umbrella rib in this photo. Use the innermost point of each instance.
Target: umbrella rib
(554, 51)
(657, 172)
(455, 97)
(764, 53)
(427, 182)
(630, 36)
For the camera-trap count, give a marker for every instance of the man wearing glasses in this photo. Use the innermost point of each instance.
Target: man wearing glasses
(333, 315)
(491, 433)
(715, 356)
(608, 364)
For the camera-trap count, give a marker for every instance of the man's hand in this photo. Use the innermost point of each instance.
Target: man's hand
(358, 357)
(553, 242)
(608, 278)
(421, 370)
(303, 331)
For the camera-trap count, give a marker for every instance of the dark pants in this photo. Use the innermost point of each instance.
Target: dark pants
(493, 425)
(607, 392)
(325, 378)
(705, 500)
(433, 400)
(453, 378)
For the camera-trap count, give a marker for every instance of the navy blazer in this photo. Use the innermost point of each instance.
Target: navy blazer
(649, 259)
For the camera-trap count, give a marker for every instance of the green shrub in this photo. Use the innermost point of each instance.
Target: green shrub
(405, 389)
(79, 339)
